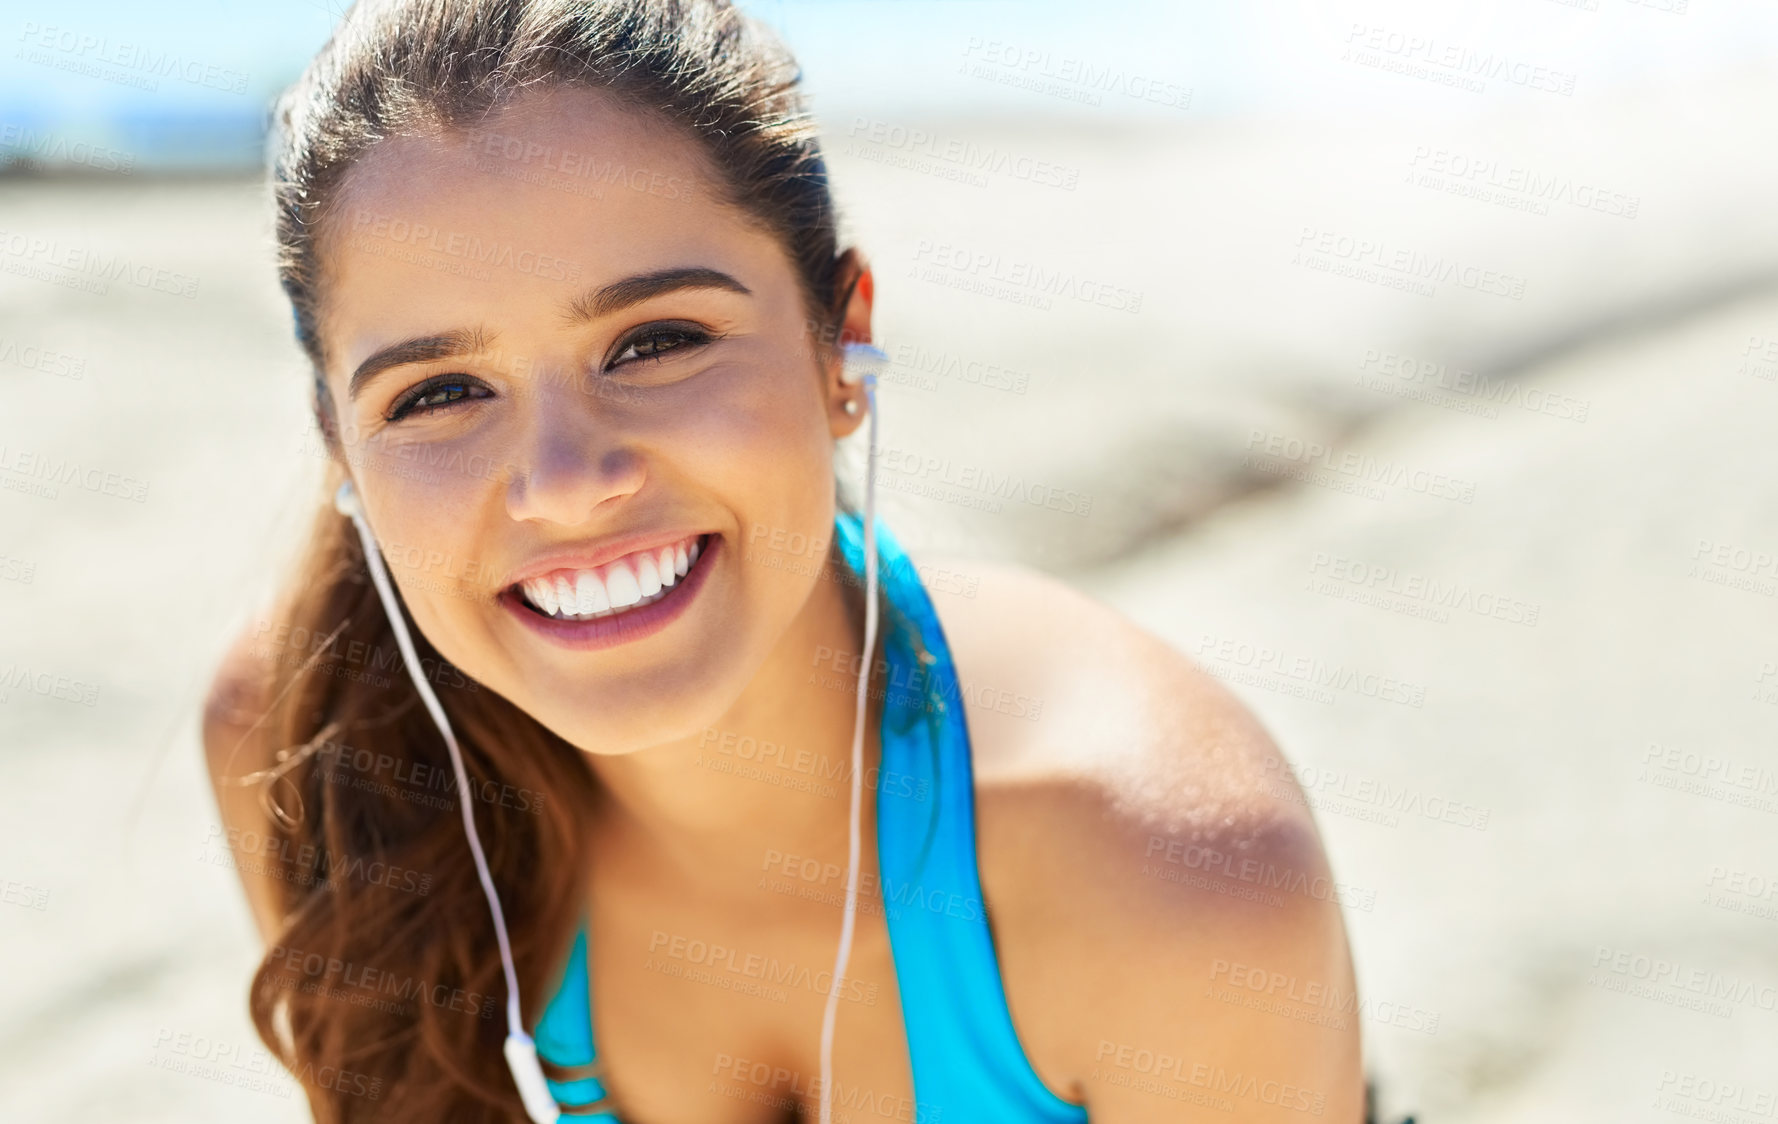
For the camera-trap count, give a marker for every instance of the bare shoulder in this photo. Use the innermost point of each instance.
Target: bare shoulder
(234, 709)
(1144, 849)
(1102, 740)
(1063, 691)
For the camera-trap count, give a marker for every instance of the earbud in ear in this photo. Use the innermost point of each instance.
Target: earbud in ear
(860, 361)
(345, 500)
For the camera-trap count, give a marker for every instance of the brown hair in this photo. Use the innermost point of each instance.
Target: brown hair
(385, 999)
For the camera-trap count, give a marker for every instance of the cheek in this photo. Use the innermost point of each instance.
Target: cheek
(434, 564)
(763, 452)
(426, 492)
(419, 468)
(762, 442)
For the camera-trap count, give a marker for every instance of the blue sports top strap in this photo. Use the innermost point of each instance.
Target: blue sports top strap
(967, 1060)
(565, 1034)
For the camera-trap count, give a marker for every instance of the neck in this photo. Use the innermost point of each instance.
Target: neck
(767, 783)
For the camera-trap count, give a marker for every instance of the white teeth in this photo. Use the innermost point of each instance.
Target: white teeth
(647, 576)
(543, 595)
(640, 579)
(591, 594)
(621, 583)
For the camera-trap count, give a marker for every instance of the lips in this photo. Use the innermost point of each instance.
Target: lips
(611, 627)
(632, 581)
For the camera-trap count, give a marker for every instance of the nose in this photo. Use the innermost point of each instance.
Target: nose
(570, 467)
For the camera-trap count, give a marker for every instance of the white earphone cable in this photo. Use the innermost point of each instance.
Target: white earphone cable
(849, 918)
(521, 1051)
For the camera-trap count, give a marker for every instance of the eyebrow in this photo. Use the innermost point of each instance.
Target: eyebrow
(422, 349)
(619, 295)
(588, 306)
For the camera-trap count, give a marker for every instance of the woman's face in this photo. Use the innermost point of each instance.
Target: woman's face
(558, 363)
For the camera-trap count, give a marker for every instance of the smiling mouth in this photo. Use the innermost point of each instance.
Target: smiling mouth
(615, 589)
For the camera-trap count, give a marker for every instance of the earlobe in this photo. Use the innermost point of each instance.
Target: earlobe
(862, 363)
(846, 411)
(860, 366)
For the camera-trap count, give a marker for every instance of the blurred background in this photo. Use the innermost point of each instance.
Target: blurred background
(1411, 366)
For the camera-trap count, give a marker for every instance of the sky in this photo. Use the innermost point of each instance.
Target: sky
(87, 69)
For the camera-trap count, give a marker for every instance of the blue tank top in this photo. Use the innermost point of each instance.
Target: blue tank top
(966, 1059)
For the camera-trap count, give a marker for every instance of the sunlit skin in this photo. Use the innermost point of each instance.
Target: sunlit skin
(561, 432)
(564, 433)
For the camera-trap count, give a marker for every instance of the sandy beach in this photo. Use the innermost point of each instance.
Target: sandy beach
(1478, 520)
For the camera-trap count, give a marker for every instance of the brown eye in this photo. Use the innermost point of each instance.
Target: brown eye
(436, 394)
(657, 341)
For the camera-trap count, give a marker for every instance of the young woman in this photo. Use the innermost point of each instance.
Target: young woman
(584, 340)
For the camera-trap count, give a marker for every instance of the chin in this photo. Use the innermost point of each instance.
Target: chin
(635, 712)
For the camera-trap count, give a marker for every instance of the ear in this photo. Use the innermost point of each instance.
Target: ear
(854, 284)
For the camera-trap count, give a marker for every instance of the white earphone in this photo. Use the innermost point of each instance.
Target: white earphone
(862, 362)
